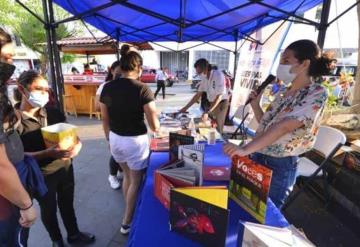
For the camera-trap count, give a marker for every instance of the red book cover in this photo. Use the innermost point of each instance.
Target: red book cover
(250, 185)
(159, 144)
(216, 173)
(163, 184)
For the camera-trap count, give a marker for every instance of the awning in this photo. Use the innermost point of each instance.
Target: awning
(95, 46)
(184, 20)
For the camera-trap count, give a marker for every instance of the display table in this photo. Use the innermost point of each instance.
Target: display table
(81, 88)
(150, 225)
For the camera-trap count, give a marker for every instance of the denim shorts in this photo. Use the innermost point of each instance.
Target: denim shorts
(283, 176)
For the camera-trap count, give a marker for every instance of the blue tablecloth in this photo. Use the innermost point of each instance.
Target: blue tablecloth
(150, 225)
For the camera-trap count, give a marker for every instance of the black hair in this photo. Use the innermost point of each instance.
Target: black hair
(308, 50)
(7, 112)
(125, 49)
(130, 61)
(87, 66)
(202, 63)
(109, 76)
(26, 79)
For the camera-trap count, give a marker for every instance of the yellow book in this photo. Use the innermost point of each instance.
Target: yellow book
(61, 134)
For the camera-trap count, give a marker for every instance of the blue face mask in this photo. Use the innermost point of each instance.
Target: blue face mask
(38, 99)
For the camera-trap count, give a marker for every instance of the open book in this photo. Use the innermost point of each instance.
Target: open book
(200, 213)
(181, 173)
(267, 236)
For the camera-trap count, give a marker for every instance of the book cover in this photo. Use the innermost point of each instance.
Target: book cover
(249, 186)
(216, 173)
(200, 214)
(165, 180)
(175, 140)
(193, 157)
(159, 144)
(62, 134)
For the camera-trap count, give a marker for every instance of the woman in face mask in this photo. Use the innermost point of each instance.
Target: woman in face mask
(16, 208)
(288, 127)
(55, 164)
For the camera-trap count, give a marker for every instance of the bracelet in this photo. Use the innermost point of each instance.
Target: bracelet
(23, 209)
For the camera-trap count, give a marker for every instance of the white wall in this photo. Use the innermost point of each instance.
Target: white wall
(151, 58)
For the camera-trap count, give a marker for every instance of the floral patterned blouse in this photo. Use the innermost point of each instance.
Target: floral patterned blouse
(307, 106)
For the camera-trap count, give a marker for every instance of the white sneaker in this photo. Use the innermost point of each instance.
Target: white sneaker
(114, 182)
(125, 229)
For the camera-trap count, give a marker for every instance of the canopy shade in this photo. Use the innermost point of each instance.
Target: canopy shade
(92, 46)
(183, 20)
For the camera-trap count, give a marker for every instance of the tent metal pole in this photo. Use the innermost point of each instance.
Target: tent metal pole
(343, 13)
(30, 11)
(85, 13)
(236, 53)
(323, 23)
(117, 44)
(59, 76)
(50, 50)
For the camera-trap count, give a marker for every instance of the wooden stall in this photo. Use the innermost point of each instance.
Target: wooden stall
(80, 92)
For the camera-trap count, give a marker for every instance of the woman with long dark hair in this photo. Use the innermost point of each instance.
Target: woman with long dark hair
(289, 126)
(55, 163)
(16, 207)
(124, 102)
(115, 171)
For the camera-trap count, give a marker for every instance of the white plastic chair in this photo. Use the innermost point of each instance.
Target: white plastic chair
(328, 141)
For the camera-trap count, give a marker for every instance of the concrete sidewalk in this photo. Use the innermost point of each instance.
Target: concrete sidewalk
(99, 208)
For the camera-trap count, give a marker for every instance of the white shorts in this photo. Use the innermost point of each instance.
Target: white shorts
(134, 150)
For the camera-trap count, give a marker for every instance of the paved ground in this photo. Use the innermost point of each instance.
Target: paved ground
(99, 208)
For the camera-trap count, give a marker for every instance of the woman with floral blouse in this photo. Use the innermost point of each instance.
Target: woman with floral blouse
(289, 126)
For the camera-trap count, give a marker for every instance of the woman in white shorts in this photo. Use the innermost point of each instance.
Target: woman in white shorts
(123, 103)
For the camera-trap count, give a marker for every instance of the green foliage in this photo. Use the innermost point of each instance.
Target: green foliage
(332, 99)
(30, 30)
(67, 58)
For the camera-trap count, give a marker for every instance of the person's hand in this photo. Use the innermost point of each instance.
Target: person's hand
(255, 98)
(74, 151)
(27, 217)
(232, 149)
(57, 153)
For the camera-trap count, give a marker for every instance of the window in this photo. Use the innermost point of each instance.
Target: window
(218, 58)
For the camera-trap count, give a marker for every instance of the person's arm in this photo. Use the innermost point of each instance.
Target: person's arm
(105, 120)
(255, 105)
(265, 139)
(194, 99)
(151, 116)
(51, 152)
(12, 189)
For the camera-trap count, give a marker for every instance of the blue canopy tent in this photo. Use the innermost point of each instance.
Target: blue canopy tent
(177, 20)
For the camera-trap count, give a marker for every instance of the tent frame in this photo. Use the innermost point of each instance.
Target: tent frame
(50, 25)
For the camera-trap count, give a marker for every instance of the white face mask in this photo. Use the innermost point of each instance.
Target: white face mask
(283, 73)
(38, 99)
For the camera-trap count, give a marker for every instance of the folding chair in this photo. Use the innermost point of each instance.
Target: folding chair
(328, 141)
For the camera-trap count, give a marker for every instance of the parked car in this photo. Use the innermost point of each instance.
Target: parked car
(195, 82)
(148, 76)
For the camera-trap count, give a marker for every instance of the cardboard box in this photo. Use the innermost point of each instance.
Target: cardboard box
(61, 134)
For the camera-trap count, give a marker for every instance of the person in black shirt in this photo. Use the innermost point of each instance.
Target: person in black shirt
(55, 163)
(123, 104)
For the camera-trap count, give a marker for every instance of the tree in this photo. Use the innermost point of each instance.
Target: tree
(356, 89)
(30, 30)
